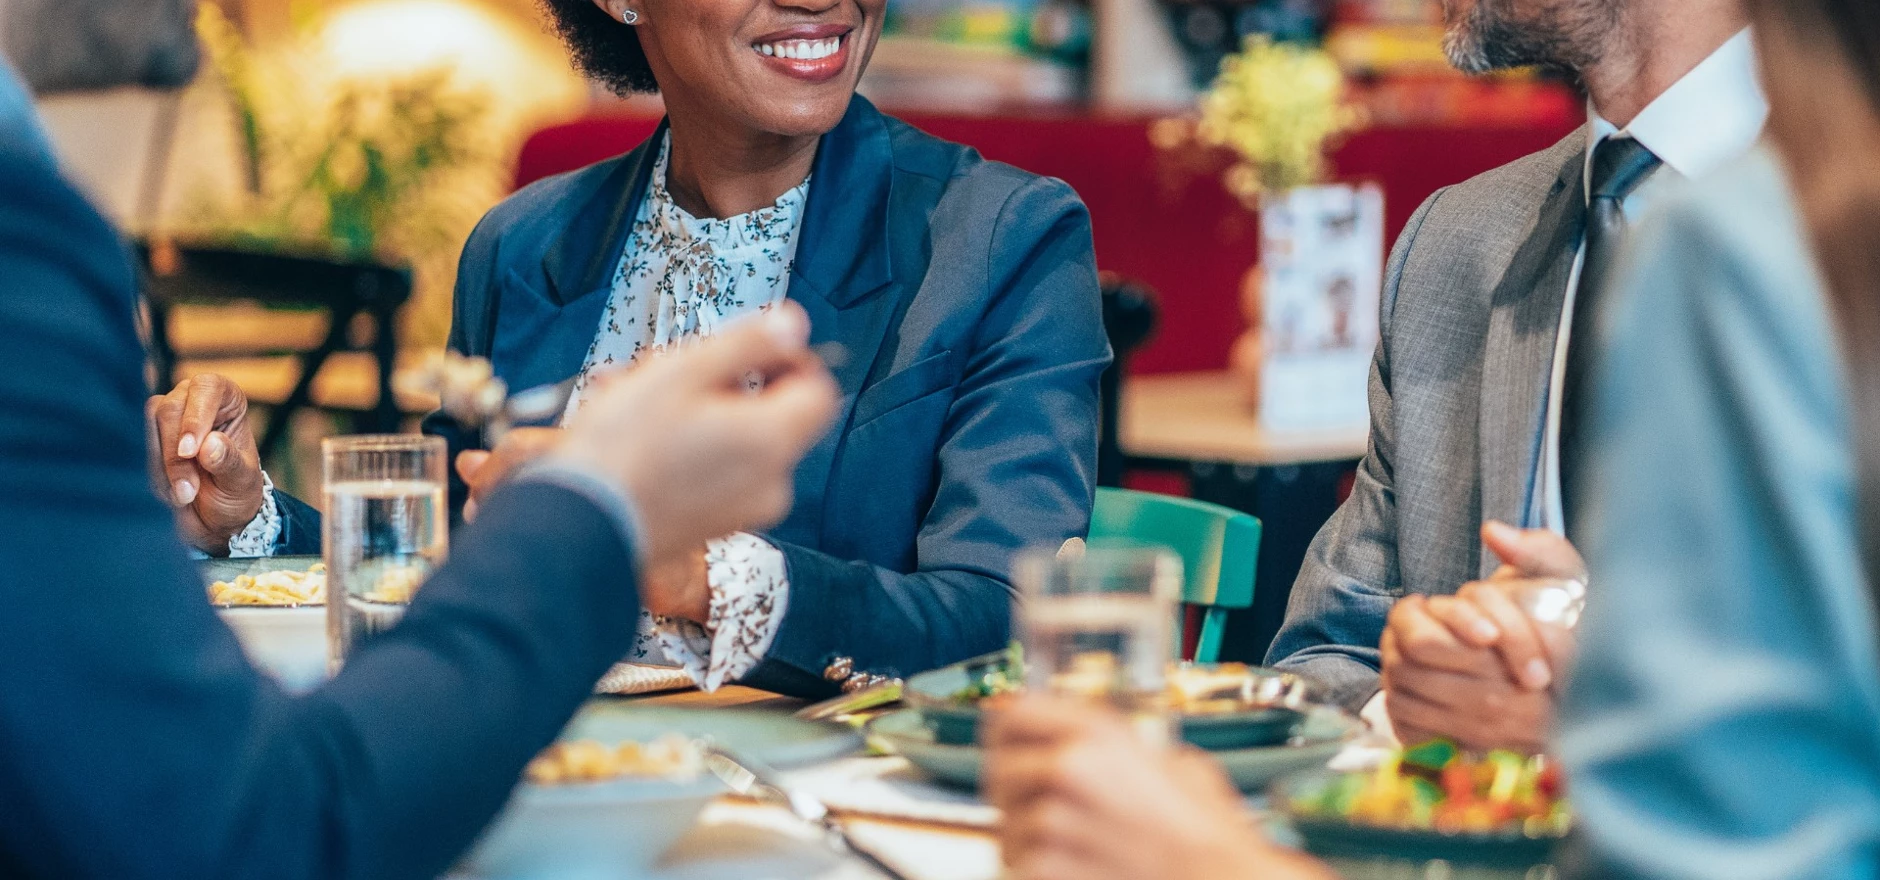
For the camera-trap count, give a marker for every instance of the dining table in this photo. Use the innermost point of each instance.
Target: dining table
(923, 830)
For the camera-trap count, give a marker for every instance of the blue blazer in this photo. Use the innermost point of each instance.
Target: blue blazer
(135, 740)
(965, 295)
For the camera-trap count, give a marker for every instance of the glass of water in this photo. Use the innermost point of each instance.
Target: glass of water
(386, 528)
(1101, 625)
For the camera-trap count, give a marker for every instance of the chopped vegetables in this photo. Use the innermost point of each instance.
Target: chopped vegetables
(992, 675)
(1434, 787)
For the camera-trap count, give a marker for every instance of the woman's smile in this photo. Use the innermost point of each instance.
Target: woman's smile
(812, 53)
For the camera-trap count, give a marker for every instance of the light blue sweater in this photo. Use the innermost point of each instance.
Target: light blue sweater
(1724, 718)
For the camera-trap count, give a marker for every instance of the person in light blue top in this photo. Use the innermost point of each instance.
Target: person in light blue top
(1724, 714)
(1723, 720)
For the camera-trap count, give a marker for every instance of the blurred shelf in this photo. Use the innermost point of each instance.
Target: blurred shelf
(925, 74)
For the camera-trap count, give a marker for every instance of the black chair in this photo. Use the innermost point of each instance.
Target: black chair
(1130, 314)
(177, 275)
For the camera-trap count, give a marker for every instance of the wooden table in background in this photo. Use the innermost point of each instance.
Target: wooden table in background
(1199, 426)
(1204, 418)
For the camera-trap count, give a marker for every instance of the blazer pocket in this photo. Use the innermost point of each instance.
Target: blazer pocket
(926, 376)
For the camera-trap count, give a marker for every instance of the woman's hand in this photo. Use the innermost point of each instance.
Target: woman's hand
(485, 470)
(1085, 798)
(679, 588)
(204, 461)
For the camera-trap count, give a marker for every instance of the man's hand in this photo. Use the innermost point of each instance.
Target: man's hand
(484, 470)
(1085, 798)
(1476, 667)
(1437, 685)
(1492, 613)
(680, 588)
(203, 460)
(700, 453)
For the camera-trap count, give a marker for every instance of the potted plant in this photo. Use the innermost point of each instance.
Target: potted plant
(1311, 302)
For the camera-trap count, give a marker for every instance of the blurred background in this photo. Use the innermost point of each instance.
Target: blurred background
(302, 205)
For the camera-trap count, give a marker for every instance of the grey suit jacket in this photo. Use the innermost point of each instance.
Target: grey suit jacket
(1458, 394)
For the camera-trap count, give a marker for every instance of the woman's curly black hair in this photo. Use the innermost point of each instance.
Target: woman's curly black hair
(607, 50)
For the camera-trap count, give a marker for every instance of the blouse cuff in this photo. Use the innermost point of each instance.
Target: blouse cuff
(750, 589)
(262, 533)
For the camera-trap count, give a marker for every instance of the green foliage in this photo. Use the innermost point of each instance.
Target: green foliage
(387, 167)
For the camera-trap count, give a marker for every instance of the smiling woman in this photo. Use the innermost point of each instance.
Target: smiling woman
(962, 293)
(963, 442)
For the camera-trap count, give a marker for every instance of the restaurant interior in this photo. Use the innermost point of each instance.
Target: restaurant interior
(298, 213)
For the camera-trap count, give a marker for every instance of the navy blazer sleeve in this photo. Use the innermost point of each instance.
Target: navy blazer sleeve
(300, 527)
(1016, 465)
(135, 740)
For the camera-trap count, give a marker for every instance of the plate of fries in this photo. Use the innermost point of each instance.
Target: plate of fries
(277, 608)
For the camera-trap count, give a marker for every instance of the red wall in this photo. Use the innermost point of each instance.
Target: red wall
(1158, 217)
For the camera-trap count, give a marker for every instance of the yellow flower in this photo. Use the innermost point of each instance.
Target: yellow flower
(1276, 106)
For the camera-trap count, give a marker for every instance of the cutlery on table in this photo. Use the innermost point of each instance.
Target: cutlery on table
(755, 780)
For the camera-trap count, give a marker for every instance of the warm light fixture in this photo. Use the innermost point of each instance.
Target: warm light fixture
(399, 36)
(518, 64)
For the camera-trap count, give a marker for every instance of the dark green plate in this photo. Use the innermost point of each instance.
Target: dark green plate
(956, 723)
(1338, 839)
(1325, 732)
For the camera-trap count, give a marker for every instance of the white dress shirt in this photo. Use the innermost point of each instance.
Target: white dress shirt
(1710, 116)
(1707, 118)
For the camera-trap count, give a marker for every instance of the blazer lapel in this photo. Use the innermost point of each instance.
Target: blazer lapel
(843, 268)
(1517, 369)
(577, 272)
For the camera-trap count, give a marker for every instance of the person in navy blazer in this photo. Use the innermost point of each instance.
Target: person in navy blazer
(962, 294)
(136, 741)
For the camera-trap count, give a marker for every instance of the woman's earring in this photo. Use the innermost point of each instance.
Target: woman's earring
(630, 17)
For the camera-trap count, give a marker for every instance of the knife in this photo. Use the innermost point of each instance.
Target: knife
(755, 780)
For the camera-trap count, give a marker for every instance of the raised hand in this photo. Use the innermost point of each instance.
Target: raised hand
(484, 470)
(1085, 798)
(203, 459)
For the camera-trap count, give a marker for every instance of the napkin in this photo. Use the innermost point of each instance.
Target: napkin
(890, 788)
(638, 678)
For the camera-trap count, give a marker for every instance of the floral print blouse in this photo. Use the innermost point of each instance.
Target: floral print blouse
(683, 278)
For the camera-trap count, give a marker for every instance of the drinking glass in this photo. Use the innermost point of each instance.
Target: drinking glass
(1100, 625)
(387, 526)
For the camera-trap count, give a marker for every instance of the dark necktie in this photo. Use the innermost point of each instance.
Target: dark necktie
(1619, 165)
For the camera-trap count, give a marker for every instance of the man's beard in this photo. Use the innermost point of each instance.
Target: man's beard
(70, 45)
(1567, 36)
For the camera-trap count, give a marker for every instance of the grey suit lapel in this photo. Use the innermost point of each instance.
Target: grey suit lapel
(1523, 326)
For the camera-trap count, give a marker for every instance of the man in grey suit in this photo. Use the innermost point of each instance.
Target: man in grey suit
(1410, 602)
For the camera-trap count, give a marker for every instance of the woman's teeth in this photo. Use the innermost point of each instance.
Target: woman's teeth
(808, 50)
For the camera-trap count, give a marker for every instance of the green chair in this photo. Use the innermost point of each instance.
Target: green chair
(1219, 548)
